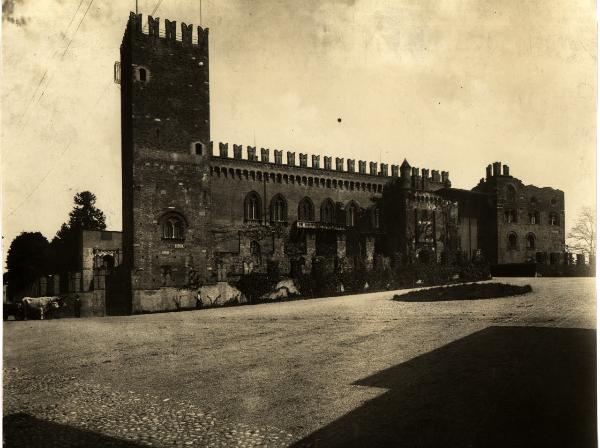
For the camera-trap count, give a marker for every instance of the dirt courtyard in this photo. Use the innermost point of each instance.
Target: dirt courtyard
(347, 371)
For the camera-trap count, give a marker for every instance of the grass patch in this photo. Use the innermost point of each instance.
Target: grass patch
(465, 291)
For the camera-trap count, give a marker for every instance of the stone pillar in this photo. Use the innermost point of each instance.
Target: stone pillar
(370, 251)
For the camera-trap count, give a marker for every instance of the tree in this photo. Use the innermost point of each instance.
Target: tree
(84, 216)
(26, 260)
(582, 236)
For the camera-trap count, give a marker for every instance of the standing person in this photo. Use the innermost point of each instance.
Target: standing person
(77, 306)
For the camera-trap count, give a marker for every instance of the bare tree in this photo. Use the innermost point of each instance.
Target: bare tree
(582, 236)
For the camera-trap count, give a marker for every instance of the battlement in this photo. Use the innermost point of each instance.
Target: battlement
(170, 33)
(497, 169)
(375, 169)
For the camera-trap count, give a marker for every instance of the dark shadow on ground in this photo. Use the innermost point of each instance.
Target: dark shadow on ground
(23, 430)
(499, 387)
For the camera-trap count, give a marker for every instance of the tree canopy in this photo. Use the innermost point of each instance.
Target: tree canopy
(26, 259)
(84, 216)
(582, 237)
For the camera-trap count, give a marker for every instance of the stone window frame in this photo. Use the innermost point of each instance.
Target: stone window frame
(306, 210)
(512, 241)
(252, 207)
(278, 209)
(376, 216)
(141, 71)
(328, 205)
(530, 241)
(534, 217)
(511, 216)
(352, 214)
(173, 226)
(194, 148)
(553, 219)
(511, 193)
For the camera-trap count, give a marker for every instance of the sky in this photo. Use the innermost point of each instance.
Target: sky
(450, 85)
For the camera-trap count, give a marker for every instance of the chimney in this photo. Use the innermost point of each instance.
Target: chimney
(505, 170)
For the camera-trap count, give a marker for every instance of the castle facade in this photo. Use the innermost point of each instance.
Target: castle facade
(194, 214)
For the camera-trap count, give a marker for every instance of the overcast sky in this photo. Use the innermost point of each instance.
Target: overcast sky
(450, 85)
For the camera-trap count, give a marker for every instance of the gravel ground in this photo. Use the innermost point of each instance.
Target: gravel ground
(264, 375)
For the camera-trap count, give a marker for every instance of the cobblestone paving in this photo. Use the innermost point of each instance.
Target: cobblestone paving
(143, 420)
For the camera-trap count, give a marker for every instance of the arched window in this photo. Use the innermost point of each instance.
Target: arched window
(198, 149)
(510, 216)
(141, 74)
(173, 227)
(512, 241)
(530, 241)
(553, 219)
(352, 215)
(511, 193)
(306, 210)
(252, 207)
(376, 217)
(534, 217)
(255, 249)
(328, 212)
(278, 209)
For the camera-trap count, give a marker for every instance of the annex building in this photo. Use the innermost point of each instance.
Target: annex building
(198, 214)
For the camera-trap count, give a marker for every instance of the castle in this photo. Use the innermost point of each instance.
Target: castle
(198, 214)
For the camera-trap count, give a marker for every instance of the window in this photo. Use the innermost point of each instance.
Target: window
(510, 216)
(424, 215)
(530, 241)
(352, 215)
(512, 241)
(553, 219)
(306, 210)
(141, 74)
(252, 207)
(255, 249)
(198, 149)
(534, 217)
(376, 218)
(328, 212)
(511, 193)
(172, 227)
(278, 209)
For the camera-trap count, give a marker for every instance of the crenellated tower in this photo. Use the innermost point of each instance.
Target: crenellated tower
(165, 127)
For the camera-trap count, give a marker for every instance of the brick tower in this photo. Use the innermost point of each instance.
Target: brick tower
(165, 128)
